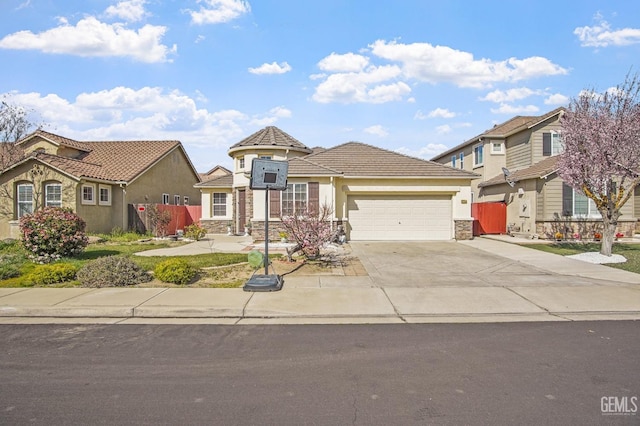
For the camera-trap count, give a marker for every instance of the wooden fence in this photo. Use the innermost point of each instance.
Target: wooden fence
(181, 216)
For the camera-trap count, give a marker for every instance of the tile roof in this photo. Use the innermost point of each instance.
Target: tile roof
(57, 139)
(509, 127)
(270, 137)
(540, 169)
(355, 159)
(302, 166)
(225, 181)
(118, 161)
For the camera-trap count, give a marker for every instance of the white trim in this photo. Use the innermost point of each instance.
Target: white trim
(87, 201)
(108, 188)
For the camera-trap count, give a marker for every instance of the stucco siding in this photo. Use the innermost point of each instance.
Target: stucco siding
(172, 175)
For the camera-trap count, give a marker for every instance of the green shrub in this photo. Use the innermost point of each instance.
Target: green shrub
(194, 232)
(111, 271)
(52, 233)
(176, 271)
(9, 271)
(52, 274)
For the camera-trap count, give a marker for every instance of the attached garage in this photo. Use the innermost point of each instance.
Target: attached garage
(400, 217)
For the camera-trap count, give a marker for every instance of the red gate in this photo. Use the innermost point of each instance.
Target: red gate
(489, 218)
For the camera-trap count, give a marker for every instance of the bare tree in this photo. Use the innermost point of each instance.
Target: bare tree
(14, 125)
(601, 157)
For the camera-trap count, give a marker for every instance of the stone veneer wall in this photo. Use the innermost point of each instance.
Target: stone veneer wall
(215, 226)
(585, 228)
(464, 229)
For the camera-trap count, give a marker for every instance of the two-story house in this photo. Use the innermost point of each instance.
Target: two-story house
(516, 161)
(375, 194)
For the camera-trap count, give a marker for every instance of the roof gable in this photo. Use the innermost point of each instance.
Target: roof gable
(503, 130)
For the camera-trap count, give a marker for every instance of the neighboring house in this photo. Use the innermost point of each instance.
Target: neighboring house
(98, 180)
(374, 193)
(516, 161)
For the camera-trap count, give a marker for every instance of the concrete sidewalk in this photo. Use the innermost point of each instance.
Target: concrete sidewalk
(343, 299)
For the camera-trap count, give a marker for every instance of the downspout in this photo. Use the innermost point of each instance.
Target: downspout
(333, 200)
(125, 221)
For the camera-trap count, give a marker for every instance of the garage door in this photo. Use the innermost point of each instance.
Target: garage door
(400, 217)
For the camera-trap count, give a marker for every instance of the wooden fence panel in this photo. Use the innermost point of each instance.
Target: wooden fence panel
(489, 218)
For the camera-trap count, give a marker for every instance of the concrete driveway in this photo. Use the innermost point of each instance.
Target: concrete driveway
(442, 264)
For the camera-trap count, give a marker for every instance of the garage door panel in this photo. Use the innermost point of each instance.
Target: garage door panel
(400, 217)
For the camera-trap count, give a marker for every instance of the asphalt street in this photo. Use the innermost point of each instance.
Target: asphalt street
(422, 374)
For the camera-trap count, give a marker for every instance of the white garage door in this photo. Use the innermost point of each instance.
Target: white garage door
(400, 217)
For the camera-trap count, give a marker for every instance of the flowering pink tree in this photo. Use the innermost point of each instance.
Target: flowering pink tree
(601, 157)
(309, 231)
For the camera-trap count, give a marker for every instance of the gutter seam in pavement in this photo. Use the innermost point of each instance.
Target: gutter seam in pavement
(392, 305)
(133, 310)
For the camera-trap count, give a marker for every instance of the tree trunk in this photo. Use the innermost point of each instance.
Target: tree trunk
(608, 233)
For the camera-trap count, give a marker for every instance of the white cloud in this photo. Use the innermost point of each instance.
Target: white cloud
(145, 113)
(130, 11)
(272, 116)
(601, 35)
(500, 96)
(429, 151)
(364, 86)
(515, 109)
(377, 130)
(219, 11)
(437, 64)
(348, 62)
(443, 130)
(90, 37)
(556, 99)
(441, 113)
(272, 68)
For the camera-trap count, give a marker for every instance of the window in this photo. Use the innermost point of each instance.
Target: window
(478, 156)
(576, 204)
(496, 147)
(294, 199)
(53, 195)
(462, 160)
(176, 200)
(104, 195)
(219, 204)
(266, 157)
(453, 161)
(25, 199)
(241, 163)
(186, 201)
(551, 144)
(165, 198)
(88, 194)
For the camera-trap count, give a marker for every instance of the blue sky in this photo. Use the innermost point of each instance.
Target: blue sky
(413, 76)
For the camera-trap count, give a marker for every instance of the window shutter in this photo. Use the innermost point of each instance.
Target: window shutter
(274, 203)
(314, 197)
(567, 200)
(546, 144)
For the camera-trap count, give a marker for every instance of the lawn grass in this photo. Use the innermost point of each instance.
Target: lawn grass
(108, 248)
(631, 251)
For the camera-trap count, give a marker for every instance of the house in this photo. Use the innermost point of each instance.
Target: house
(516, 164)
(375, 194)
(98, 180)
